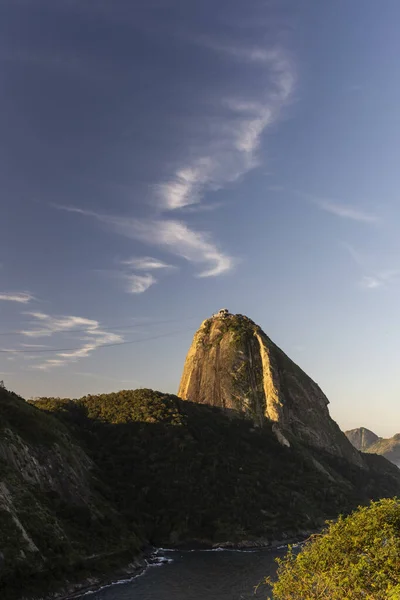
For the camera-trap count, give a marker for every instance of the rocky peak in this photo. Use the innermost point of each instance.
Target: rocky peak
(361, 438)
(365, 440)
(233, 364)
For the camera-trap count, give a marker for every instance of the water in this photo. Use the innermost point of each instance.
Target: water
(199, 575)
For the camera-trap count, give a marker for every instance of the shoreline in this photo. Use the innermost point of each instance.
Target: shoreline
(90, 585)
(140, 566)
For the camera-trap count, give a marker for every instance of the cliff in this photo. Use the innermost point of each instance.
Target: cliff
(367, 441)
(234, 365)
(53, 517)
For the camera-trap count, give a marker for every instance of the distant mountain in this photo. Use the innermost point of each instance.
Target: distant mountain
(234, 365)
(361, 438)
(367, 441)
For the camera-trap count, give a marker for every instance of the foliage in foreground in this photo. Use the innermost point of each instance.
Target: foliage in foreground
(358, 557)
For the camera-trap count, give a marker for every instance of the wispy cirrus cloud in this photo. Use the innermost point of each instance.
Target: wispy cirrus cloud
(146, 263)
(137, 284)
(48, 325)
(380, 279)
(232, 151)
(334, 207)
(246, 53)
(173, 236)
(177, 238)
(221, 121)
(93, 337)
(372, 277)
(346, 211)
(20, 297)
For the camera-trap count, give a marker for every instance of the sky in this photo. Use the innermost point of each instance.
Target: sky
(162, 159)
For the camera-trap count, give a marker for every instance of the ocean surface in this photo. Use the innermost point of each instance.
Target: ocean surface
(198, 575)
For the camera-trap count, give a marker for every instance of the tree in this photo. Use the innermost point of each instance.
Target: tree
(356, 557)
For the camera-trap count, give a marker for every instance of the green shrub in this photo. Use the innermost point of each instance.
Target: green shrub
(358, 557)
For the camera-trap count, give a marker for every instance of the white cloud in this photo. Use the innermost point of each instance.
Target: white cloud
(373, 278)
(232, 152)
(242, 53)
(50, 325)
(185, 187)
(382, 279)
(346, 211)
(137, 284)
(371, 282)
(21, 297)
(228, 150)
(146, 263)
(174, 236)
(179, 239)
(338, 209)
(93, 339)
(37, 315)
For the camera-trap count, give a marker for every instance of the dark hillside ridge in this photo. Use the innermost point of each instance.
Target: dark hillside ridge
(84, 484)
(367, 441)
(54, 510)
(233, 364)
(181, 471)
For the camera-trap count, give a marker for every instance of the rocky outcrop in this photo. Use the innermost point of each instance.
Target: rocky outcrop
(361, 438)
(233, 364)
(365, 440)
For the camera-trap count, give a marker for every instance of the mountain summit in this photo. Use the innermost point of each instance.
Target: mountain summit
(234, 365)
(362, 438)
(367, 441)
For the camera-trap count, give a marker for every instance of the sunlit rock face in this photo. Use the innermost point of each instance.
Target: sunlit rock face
(233, 364)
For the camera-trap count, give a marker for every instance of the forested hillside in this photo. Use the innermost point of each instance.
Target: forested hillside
(56, 516)
(85, 484)
(186, 471)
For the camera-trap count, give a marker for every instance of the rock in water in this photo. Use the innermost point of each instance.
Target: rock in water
(233, 364)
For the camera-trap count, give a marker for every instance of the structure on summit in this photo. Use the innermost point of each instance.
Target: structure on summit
(232, 364)
(223, 312)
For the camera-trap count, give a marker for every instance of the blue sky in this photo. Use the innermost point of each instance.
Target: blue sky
(161, 159)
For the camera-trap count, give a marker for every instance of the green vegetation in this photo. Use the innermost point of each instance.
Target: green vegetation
(54, 510)
(356, 557)
(181, 471)
(92, 480)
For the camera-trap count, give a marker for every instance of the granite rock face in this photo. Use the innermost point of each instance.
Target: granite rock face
(233, 364)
